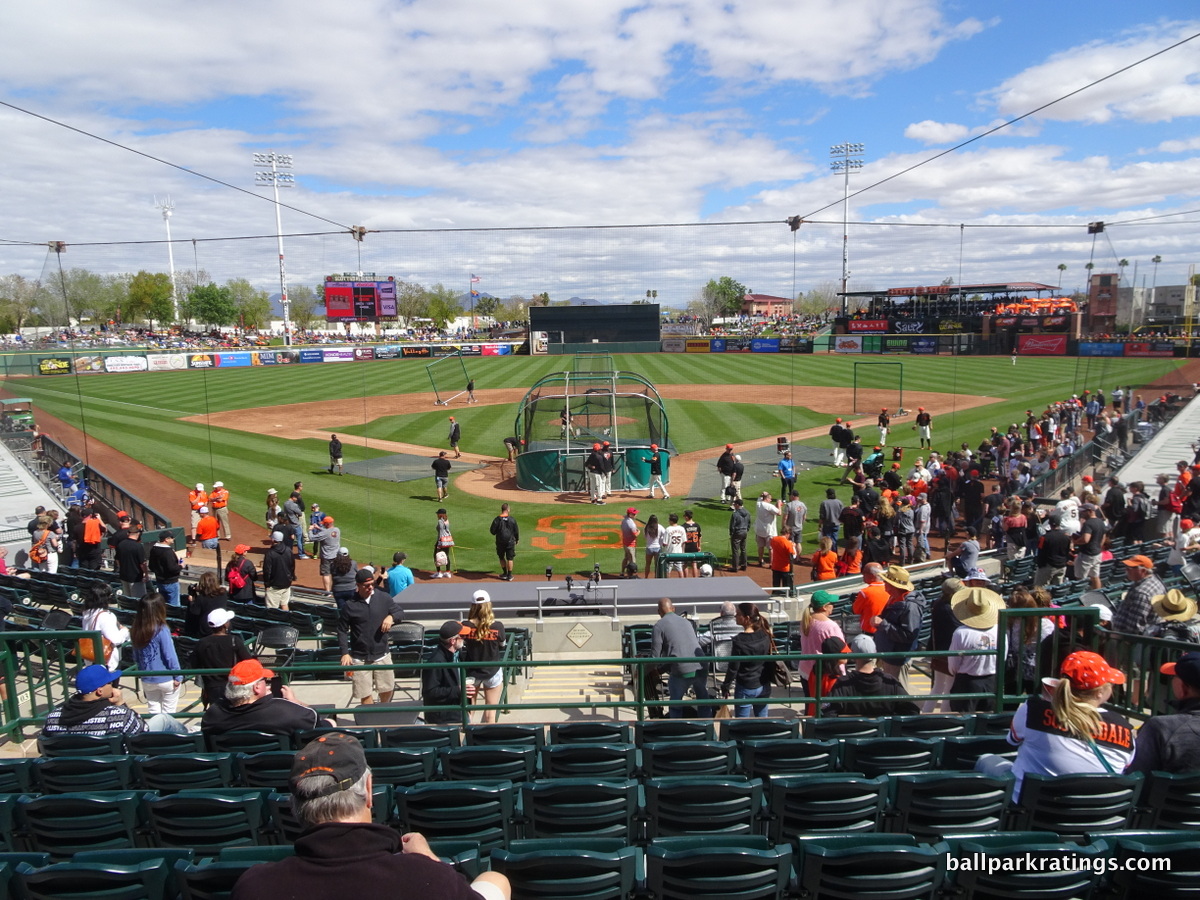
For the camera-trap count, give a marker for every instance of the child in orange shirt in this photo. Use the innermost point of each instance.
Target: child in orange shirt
(824, 561)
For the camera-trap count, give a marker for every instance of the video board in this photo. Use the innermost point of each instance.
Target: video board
(353, 300)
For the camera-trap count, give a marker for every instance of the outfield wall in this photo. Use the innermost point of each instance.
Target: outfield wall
(94, 362)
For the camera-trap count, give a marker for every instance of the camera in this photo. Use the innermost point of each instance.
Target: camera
(549, 572)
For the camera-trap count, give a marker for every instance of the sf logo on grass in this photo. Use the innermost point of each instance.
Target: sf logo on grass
(574, 537)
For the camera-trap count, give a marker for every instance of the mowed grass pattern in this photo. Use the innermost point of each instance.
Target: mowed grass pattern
(139, 414)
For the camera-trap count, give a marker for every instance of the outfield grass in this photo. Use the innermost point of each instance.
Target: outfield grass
(139, 414)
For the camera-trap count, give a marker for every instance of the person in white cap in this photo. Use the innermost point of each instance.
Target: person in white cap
(219, 650)
(197, 500)
(278, 572)
(484, 644)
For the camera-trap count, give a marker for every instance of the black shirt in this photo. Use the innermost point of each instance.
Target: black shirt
(131, 559)
(274, 715)
(359, 625)
(164, 563)
(441, 467)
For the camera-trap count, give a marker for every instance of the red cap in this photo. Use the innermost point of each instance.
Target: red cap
(837, 420)
(654, 446)
(729, 446)
(1087, 479)
(920, 409)
(596, 446)
(631, 511)
(249, 671)
(884, 409)
(1087, 670)
(242, 549)
(328, 520)
(1139, 561)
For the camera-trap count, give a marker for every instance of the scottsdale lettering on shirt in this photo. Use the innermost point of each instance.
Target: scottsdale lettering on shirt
(1114, 734)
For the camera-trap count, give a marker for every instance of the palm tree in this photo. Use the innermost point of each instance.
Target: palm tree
(1062, 267)
(1121, 265)
(1156, 259)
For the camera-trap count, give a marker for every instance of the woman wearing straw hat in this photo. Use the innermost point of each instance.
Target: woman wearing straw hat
(1179, 619)
(1071, 733)
(898, 626)
(977, 610)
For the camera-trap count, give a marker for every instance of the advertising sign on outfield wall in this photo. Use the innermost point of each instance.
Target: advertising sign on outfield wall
(895, 345)
(1042, 344)
(416, 352)
(845, 343)
(125, 364)
(923, 345)
(312, 356)
(337, 354)
(1149, 348)
(391, 351)
(361, 353)
(497, 349)
(239, 359)
(764, 345)
(202, 361)
(165, 362)
(858, 326)
(54, 365)
(695, 345)
(1101, 348)
(673, 345)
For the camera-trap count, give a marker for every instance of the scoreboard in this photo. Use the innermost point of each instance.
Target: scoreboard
(351, 300)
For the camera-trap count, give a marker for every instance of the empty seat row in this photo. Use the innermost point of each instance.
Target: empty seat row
(894, 866)
(926, 806)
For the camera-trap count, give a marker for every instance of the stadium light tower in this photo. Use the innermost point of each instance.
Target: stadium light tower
(276, 161)
(846, 158)
(167, 208)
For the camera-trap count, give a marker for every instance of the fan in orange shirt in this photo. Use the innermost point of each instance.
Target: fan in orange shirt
(824, 561)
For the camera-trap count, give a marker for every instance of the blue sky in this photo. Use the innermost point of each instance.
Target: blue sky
(465, 115)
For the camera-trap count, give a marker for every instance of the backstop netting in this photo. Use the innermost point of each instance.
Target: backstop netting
(565, 413)
(592, 362)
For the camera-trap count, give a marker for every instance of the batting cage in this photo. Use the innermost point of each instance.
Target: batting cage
(449, 378)
(565, 413)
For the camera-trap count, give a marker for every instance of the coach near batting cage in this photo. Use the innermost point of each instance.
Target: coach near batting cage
(565, 413)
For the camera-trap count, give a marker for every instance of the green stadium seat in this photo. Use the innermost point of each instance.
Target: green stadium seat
(586, 807)
(500, 734)
(488, 763)
(16, 775)
(206, 820)
(591, 733)
(787, 756)
(702, 805)
(170, 772)
(1171, 801)
(574, 873)
(64, 824)
(272, 769)
(286, 826)
(718, 867)
(823, 804)
(961, 752)
(247, 742)
(842, 727)
(891, 866)
(688, 758)
(889, 755)
(931, 805)
(93, 881)
(157, 743)
(656, 731)
(932, 726)
(756, 729)
(65, 774)
(480, 812)
(589, 760)
(402, 765)
(1073, 805)
(437, 736)
(1044, 881)
(368, 737)
(209, 879)
(1176, 856)
(80, 745)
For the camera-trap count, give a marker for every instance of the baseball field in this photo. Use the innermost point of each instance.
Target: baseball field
(258, 428)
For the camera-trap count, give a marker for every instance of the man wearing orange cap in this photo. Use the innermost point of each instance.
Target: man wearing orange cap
(329, 537)
(629, 536)
(1172, 743)
(656, 472)
(1136, 612)
(885, 423)
(924, 427)
(250, 705)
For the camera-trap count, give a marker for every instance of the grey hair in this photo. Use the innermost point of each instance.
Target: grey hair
(314, 809)
(239, 693)
(728, 608)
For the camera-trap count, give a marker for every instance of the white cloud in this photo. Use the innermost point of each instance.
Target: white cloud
(1176, 146)
(1161, 89)
(931, 132)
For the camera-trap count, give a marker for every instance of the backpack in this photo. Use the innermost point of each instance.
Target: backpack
(504, 530)
(38, 552)
(236, 578)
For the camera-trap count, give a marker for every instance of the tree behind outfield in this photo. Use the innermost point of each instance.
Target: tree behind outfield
(149, 298)
(443, 305)
(211, 305)
(720, 297)
(303, 307)
(253, 306)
